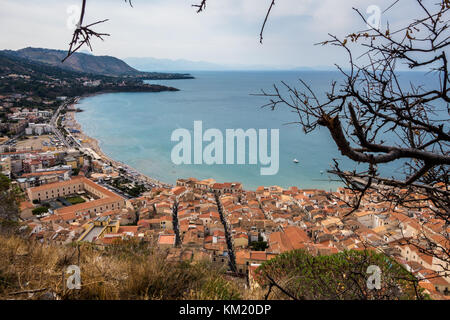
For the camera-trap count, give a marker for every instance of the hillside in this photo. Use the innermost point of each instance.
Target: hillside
(86, 63)
(29, 78)
(127, 270)
(14, 64)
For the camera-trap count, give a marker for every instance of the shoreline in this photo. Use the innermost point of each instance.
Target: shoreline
(87, 141)
(92, 143)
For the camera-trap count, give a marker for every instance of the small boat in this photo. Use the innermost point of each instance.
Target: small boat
(295, 161)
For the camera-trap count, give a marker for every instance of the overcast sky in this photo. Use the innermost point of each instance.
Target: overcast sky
(227, 32)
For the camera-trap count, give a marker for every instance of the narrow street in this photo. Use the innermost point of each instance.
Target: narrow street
(227, 236)
(175, 224)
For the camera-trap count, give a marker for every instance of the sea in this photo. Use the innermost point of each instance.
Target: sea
(136, 128)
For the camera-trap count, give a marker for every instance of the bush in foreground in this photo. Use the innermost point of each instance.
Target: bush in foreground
(31, 270)
(341, 276)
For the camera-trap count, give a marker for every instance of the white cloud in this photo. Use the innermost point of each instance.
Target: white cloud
(227, 32)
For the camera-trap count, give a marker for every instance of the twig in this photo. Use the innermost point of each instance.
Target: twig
(27, 291)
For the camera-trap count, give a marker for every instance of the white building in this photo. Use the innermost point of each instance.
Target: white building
(38, 129)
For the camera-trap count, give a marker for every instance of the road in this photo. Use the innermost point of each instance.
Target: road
(54, 123)
(71, 142)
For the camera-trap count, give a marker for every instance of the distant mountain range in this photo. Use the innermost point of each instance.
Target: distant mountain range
(86, 63)
(154, 64)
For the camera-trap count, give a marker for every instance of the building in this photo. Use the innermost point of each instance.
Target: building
(166, 241)
(105, 200)
(38, 129)
(71, 161)
(5, 166)
(29, 180)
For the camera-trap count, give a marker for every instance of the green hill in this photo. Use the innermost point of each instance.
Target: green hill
(86, 63)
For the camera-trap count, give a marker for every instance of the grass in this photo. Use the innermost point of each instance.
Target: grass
(76, 200)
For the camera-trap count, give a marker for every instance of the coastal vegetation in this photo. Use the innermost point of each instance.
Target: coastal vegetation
(89, 64)
(340, 276)
(44, 84)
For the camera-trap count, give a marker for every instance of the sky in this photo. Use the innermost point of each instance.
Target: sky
(227, 32)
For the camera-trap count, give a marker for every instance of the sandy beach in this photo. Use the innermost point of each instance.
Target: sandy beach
(86, 141)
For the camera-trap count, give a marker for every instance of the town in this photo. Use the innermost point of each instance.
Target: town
(74, 194)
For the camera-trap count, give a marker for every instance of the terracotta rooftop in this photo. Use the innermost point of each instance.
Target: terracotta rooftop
(166, 239)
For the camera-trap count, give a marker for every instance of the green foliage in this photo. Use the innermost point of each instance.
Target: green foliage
(338, 276)
(76, 200)
(39, 210)
(5, 183)
(134, 191)
(259, 245)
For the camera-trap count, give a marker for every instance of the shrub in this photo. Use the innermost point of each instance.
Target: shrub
(39, 210)
(340, 276)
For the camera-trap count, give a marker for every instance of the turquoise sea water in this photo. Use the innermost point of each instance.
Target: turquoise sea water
(136, 128)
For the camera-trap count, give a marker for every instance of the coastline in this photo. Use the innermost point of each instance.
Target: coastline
(92, 143)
